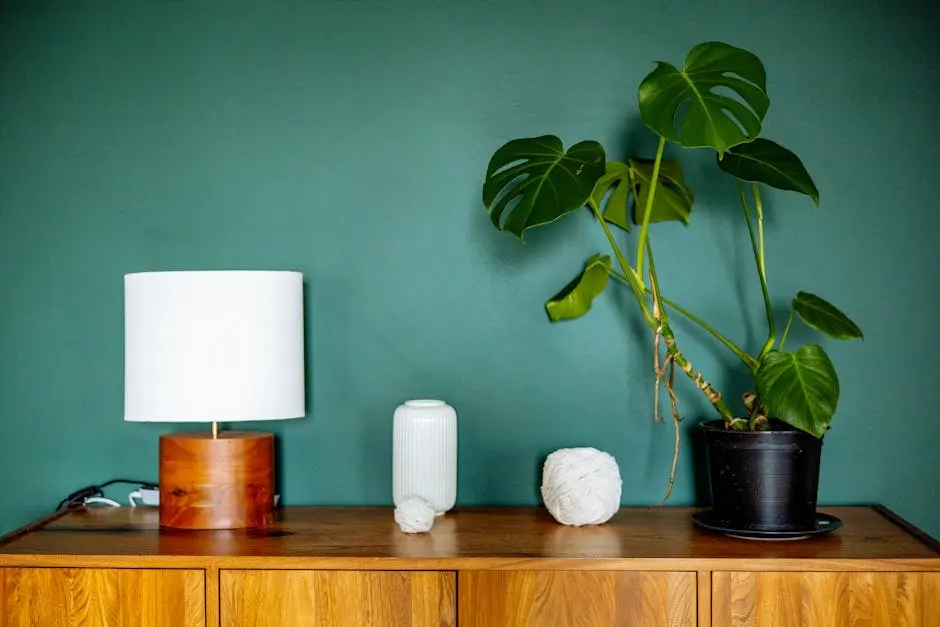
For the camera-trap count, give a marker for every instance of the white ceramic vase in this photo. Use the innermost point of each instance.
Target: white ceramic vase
(424, 453)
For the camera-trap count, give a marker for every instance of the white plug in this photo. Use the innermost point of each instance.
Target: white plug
(91, 500)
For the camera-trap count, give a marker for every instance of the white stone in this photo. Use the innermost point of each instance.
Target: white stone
(414, 514)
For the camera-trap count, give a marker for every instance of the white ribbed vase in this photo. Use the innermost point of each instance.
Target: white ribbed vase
(424, 453)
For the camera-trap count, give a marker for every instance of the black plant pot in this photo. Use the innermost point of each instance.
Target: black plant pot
(763, 480)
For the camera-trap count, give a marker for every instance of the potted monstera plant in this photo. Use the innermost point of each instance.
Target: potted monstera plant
(763, 457)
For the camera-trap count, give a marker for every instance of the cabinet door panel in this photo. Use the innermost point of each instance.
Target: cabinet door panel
(576, 598)
(67, 597)
(289, 598)
(818, 599)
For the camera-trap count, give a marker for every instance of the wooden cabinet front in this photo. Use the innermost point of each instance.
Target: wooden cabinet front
(291, 598)
(67, 597)
(826, 599)
(582, 598)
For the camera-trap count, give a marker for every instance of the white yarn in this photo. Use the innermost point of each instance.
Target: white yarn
(581, 486)
(414, 514)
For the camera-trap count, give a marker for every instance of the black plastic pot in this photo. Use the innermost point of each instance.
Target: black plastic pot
(763, 480)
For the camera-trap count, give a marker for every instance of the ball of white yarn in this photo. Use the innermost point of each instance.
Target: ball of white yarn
(581, 486)
(414, 514)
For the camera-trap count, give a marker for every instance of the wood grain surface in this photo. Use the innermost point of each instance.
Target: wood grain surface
(826, 599)
(224, 483)
(337, 599)
(576, 599)
(72, 597)
(704, 598)
(513, 538)
(492, 566)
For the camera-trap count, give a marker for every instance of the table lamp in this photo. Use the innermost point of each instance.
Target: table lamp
(214, 346)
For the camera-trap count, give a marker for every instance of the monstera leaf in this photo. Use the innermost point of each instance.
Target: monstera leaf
(801, 388)
(631, 182)
(618, 178)
(825, 317)
(673, 199)
(764, 161)
(534, 181)
(576, 298)
(693, 107)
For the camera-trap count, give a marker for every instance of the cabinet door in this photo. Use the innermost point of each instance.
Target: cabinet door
(582, 598)
(817, 599)
(289, 598)
(66, 597)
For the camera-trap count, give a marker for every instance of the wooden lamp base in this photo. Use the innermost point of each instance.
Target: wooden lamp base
(225, 482)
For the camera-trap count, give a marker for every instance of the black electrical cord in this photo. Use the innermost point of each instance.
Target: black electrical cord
(77, 498)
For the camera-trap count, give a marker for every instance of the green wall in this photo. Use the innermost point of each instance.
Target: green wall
(348, 140)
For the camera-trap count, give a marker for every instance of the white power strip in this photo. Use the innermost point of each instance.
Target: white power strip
(146, 496)
(151, 497)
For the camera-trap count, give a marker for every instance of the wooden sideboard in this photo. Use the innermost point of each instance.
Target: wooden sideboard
(479, 567)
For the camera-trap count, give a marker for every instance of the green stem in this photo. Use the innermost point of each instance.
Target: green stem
(641, 245)
(759, 206)
(713, 396)
(654, 285)
(749, 361)
(786, 329)
(619, 275)
(759, 261)
(628, 275)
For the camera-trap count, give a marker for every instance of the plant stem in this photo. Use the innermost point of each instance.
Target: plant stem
(786, 329)
(713, 396)
(641, 244)
(740, 353)
(619, 275)
(659, 310)
(628, 275)
(759, 207)
(759, 261)
(748, 361)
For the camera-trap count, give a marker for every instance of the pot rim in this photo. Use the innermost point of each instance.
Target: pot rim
(717, 426)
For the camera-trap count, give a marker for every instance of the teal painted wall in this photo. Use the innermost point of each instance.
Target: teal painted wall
(347, 140)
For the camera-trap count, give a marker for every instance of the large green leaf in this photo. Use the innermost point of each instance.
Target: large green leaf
(575, 299)
(799, 388)
(825, 317)
(764, 161)
(693, 106)
(673, 199)
(534, 181)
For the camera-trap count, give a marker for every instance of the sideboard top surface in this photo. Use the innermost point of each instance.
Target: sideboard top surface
(656, 538)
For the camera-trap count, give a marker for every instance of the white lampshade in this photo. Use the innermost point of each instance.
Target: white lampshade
(219, 346)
